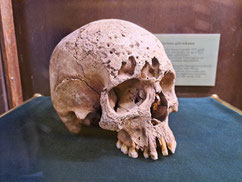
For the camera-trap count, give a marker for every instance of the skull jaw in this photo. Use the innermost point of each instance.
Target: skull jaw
(140, 131)
(141, 134)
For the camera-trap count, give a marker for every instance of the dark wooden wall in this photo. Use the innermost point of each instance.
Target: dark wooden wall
(40, 25)
(3, 94)
(10, 81)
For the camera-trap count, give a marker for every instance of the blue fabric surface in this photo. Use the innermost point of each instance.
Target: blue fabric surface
(35, 146)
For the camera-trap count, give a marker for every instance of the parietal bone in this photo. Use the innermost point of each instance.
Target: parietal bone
(117, 74)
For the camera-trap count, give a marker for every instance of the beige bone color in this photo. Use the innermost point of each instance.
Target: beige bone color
(115, 73)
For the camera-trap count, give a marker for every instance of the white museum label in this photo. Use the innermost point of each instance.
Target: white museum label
(194, 57)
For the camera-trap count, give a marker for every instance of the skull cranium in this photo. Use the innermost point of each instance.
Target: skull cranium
(116, 72)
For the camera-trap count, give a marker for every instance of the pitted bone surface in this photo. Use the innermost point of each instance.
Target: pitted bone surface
(122, 69)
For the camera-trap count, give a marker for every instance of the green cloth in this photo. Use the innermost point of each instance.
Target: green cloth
(36, 146)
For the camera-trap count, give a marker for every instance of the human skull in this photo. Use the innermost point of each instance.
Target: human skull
(115, 73)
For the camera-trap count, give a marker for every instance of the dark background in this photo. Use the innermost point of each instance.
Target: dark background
(3, 94)
(40, 25)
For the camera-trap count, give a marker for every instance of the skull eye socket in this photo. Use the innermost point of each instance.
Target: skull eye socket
(167, 81)
(126, 96)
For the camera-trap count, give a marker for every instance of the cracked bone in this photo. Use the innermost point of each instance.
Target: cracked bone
(116, 74)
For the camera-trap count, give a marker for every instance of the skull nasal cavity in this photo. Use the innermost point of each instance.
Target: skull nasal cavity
(128, 67)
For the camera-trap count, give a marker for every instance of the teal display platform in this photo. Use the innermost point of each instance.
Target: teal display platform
(35, 146)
